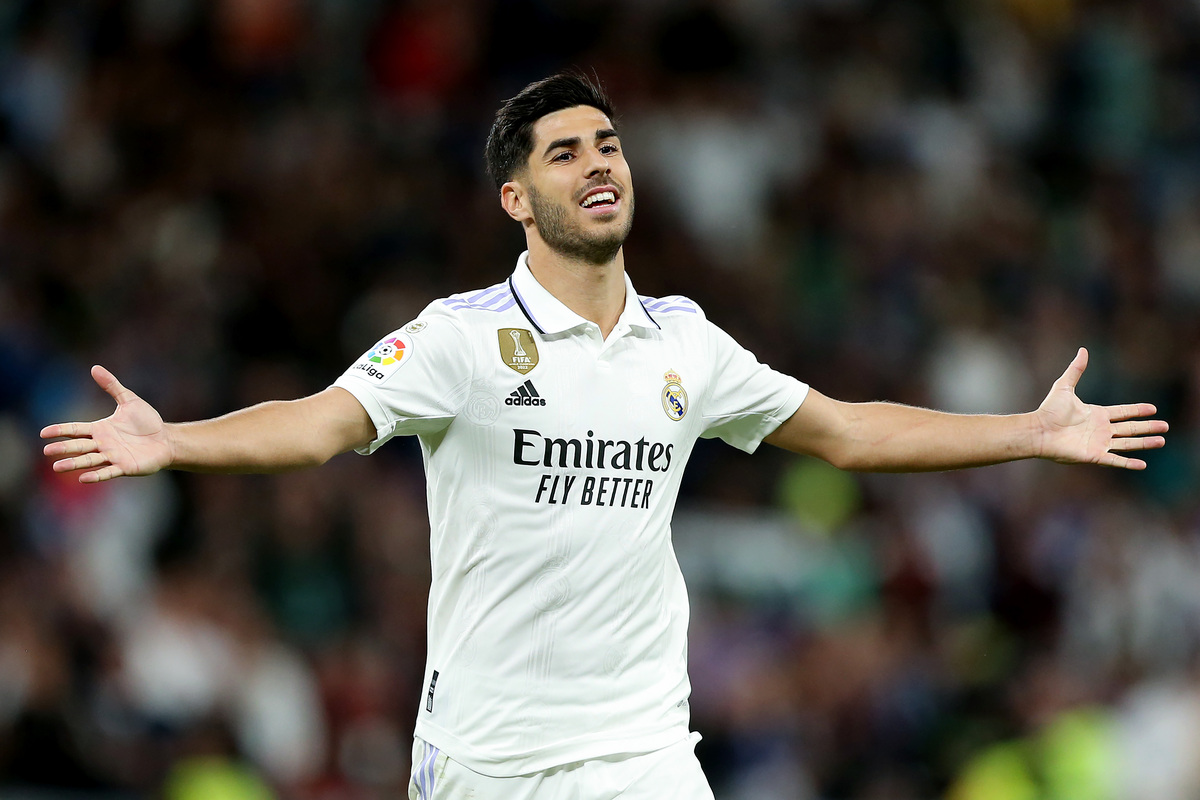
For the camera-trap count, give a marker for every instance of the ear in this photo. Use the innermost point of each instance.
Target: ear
(515, 200)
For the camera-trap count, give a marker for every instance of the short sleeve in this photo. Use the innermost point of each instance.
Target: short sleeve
(413, 380)
(747, 400)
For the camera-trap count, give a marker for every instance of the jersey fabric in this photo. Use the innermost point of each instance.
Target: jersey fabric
(557, 612)
(670, 773)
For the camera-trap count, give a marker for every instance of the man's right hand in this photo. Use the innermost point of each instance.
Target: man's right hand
(133, 441)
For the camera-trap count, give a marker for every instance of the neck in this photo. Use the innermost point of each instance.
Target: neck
(595, 292)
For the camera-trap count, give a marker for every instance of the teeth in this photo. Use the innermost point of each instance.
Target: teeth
(596, 198)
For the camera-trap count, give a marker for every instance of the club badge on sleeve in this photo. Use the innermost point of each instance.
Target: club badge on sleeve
(387, 356)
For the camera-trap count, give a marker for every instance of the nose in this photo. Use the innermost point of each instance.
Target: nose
(597, 163)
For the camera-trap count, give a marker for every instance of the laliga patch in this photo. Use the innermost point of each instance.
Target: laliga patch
(385, 358)
(674, 398)
(518, 350)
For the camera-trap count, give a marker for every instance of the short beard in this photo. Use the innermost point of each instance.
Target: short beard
(551, 221)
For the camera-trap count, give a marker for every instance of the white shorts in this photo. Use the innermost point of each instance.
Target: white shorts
(672, 773)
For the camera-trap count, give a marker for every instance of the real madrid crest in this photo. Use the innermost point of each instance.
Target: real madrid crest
(674, 398)
(518, 350)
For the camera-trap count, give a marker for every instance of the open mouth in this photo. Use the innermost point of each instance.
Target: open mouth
(599, 199)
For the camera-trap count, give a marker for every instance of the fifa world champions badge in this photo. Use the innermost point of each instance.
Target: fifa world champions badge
(518, 350)
(674, 398)
(385, 358)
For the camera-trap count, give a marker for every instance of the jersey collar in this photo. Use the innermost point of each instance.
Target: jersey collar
(548, 314)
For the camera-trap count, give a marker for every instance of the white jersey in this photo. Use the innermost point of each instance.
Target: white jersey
(557, 612)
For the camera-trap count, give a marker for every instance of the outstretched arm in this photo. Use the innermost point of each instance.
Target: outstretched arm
(270, 437)
(886, 437)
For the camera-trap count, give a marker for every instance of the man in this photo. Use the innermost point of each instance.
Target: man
(556, 411)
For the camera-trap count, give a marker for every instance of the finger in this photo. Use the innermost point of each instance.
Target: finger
(86, 461)
(1143, 443)
(72, 447)
(1070, 378)
(1130, 411)
(1143, 427)
(67, 429)
(105, 474)
(109, 383)
(1120, 462)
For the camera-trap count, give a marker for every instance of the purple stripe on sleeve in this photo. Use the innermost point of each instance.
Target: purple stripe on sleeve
(500, 302)
(661, 310)
(478, 296)
(646, 311)
(500, 298)
(658, 302)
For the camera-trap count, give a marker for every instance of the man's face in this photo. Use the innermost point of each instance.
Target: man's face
(580, 188)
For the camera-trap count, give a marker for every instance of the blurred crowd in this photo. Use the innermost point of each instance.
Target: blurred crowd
(928, 201)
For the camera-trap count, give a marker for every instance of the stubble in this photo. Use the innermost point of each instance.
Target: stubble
(557, 231)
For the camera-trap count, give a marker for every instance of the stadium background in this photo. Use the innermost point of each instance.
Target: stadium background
(933, 202)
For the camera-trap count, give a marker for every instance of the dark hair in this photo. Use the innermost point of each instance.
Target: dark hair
(511, 139)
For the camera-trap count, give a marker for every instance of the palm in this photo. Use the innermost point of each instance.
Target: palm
(1076, 432)
(132, 441)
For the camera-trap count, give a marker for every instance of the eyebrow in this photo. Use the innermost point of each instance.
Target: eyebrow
(573, 141)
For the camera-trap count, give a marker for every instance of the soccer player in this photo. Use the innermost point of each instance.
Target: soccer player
(556, 411)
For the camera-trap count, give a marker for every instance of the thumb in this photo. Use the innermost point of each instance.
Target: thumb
(109, 383)
(1070, 378)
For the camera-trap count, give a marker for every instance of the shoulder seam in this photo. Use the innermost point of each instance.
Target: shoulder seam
(460, 327)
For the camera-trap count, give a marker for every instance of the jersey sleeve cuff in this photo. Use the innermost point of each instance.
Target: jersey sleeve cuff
(772, 421)
(379, 418)
(750, 436)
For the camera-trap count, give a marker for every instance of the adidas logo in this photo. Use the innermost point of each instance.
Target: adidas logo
(525, 395)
